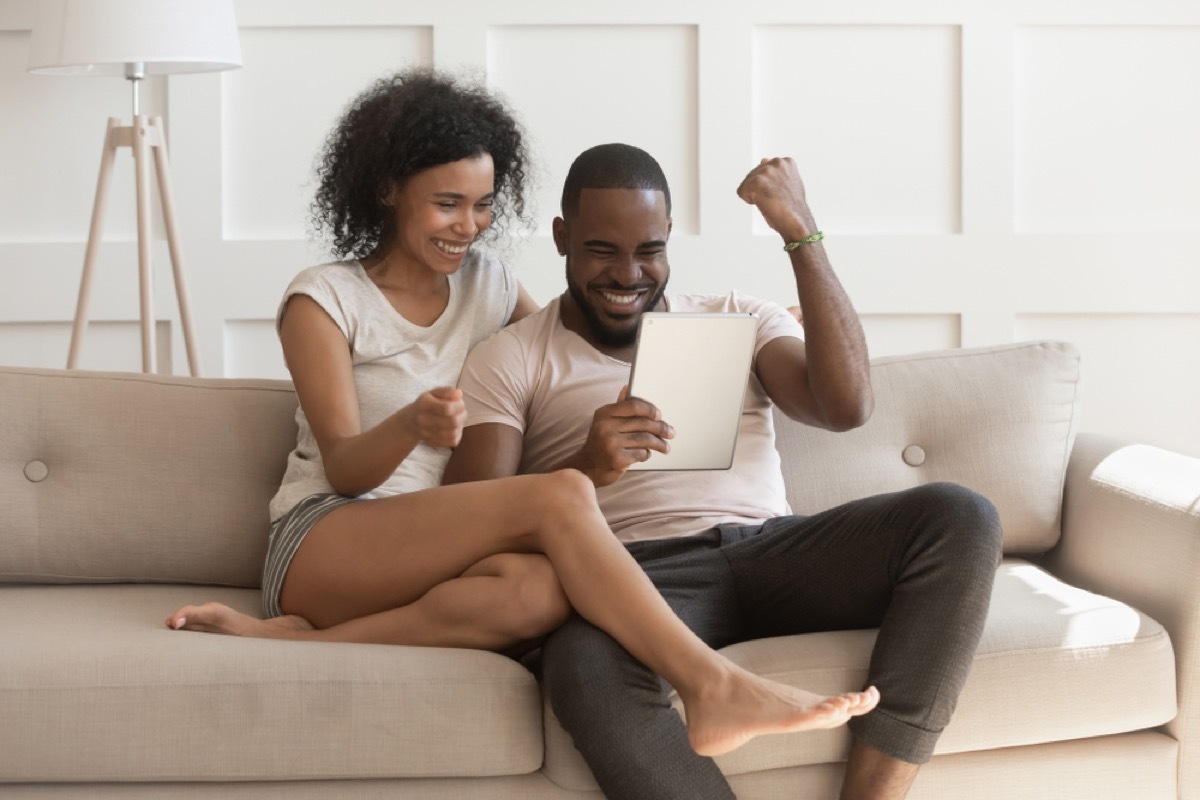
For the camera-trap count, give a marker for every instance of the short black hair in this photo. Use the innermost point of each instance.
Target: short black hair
(612, 166)
(403, 124)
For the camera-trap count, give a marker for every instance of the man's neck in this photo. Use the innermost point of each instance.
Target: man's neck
(574, 320)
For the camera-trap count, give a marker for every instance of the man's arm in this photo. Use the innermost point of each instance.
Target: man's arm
(488, 450)
(825, 380)
(494, 382)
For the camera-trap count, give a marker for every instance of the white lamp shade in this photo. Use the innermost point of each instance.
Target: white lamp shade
(99, 37)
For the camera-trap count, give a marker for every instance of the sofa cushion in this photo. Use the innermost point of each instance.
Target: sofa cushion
(1055, 663)
(129, 477)
(94, 687)
(1000, 420)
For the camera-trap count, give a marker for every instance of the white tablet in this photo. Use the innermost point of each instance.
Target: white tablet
(694, 367)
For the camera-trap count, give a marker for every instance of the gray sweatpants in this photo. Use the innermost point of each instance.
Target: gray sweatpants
(917, 564)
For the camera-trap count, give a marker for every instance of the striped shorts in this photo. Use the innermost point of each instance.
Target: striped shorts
(286, 535)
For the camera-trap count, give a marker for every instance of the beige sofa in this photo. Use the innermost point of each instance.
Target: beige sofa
(124, 496)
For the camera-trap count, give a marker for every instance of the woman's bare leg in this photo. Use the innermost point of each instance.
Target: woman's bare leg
(369, 557)
(499, 603)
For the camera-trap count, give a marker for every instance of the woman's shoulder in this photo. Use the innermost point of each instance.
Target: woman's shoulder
(337, 281)
(335, 286)
(330, 273)
(488, 286)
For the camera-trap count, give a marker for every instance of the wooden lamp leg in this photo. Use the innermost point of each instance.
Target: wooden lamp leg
(145, 274)
(107, 157)
(177, 267)
(144, 136)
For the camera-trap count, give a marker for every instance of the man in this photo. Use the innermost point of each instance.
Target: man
(548, 392)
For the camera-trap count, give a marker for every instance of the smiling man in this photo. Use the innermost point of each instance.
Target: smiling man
(616, 262)
(722, 546)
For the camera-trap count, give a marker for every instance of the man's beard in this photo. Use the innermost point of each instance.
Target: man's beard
(602, 333)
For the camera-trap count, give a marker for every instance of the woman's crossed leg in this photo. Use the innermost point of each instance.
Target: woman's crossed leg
(392, 570)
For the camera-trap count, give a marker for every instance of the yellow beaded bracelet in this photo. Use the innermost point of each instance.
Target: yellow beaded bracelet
(816, 237)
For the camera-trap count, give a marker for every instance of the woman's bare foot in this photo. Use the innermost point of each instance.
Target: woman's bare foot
(725, 717)
(218, 618)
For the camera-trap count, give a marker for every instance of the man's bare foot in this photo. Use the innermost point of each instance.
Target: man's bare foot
(218, 618)
(724, 718)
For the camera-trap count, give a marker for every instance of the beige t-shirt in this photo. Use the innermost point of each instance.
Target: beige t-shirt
(546, 381)
(394, 360)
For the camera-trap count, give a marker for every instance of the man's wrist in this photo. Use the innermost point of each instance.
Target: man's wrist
(795, 223)
(795, 244)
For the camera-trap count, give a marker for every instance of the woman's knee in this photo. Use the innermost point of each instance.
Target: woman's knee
(561, 499)
(565, 490)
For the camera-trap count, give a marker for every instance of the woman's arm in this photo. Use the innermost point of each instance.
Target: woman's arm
(356, 461)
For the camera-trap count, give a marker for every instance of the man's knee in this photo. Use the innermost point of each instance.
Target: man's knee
(965, 517)
(956, 532)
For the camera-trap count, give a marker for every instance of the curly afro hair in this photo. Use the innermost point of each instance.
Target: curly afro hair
(401, 125)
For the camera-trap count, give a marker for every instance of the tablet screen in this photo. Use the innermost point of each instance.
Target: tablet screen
(694, 367)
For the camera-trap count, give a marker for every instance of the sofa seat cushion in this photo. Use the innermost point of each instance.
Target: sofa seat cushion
(94, 687)
(1055, 663)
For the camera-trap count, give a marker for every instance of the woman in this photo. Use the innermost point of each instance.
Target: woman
(365, 545)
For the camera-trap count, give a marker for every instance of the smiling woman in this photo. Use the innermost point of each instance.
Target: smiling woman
(440, 212)
(365, 545)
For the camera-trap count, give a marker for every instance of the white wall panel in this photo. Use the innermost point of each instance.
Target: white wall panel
(986, 171)
(871, 115)
(1140, 373)
(279, 106)
(895, 334)
(1107, 124)
(578, 86)
(51, 137)
(108, 345)
(252, 350)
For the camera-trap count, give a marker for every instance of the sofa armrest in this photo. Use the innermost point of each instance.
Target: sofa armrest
(1131, 531)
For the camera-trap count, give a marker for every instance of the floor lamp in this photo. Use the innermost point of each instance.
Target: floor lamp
(133, 39)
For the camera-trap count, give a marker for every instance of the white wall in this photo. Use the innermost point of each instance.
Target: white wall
(986, 171)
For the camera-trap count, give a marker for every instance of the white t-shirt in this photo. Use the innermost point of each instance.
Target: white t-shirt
(547, 381)
(395, 360)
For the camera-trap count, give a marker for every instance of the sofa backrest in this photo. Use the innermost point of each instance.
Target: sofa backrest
(128, 477)
(1000, 420)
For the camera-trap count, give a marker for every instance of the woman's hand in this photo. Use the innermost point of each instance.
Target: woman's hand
(437, 417)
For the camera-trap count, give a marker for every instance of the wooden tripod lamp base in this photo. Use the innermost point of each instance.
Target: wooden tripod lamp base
(134, 39)
(144, 137)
